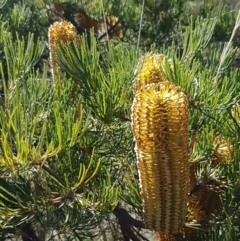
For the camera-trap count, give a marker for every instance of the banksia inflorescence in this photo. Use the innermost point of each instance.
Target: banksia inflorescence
(59, 32)
(150, 70)
(160, 128)
(205, 203)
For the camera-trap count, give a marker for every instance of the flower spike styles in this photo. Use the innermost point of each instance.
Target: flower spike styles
(160, 128)
(150, 69)
(59, 32)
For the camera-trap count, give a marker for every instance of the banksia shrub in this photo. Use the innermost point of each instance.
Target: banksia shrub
(59, 32)
(150, 69)
(160, 128)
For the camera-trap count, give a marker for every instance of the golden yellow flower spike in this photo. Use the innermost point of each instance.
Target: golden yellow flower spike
(150, 70)
(160, 128)
(59, 32)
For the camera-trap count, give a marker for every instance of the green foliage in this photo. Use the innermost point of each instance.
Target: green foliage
(97, 75)
(48, 146)
(23, 18)
(224, 15)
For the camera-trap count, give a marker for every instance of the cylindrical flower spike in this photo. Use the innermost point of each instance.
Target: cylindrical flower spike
(150, 70)
(160, 128)
(59, 32)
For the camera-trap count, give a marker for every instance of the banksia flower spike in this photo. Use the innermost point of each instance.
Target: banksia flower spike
(59, 32)
(205, 203)
(150, 70)
(160, 128)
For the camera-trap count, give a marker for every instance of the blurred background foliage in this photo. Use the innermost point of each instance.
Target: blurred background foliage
(66, 148)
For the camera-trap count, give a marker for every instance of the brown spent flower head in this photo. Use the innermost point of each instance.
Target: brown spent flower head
(204, 204)
(114, 27)
(160, 128)
(86, 23)
(59, 32)
(111, 29)
(221, 150)
(151, 69)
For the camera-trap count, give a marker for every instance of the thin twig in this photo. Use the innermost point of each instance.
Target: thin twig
(140, 25)
(106, 26)
(2, 3)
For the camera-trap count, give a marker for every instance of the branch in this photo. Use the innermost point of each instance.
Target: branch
(28, 234)
(126, 222)
(123, 215)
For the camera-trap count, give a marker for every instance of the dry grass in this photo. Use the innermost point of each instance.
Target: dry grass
(228, 46)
